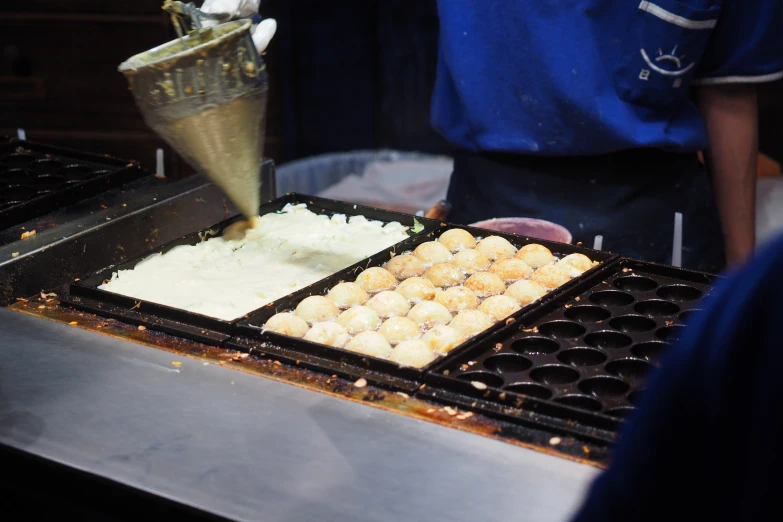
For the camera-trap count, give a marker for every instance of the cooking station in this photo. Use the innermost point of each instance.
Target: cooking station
(246, 425)
(114, 406)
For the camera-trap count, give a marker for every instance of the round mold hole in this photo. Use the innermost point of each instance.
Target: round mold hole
(507, 363)
(635, 397)
(633, 323)
(18, 193)
(587, 313)
(656, 307)
(621, 412)
(608, 340)
(46, 182)
(611, 298)
(670, 333)
(554, 374)
(75, 173)
(679, 293)
(604, 386)
(650, 350)
(535, 346)
(562, 329)
(630, 369)
(582, 357)
(687, 315)
(490, 379)
(50, 178)
(16, 177)
(46, 166)
(582, 402)
(635, 284)
(18, 159)
(531, 389)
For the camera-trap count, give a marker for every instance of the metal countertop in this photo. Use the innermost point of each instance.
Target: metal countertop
(249, 448)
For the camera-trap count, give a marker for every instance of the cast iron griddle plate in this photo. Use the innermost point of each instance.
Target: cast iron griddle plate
(37, 179)
(379, 371)
(86, 295)
(589, 350)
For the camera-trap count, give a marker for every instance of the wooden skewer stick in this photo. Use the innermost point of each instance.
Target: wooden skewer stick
(440, 211)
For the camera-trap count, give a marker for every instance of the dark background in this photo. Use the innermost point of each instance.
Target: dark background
(346, 74)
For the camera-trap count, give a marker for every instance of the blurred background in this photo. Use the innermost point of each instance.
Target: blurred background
(346, 75)
(351, 74)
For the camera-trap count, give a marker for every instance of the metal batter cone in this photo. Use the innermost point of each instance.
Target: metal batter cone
(206, 95)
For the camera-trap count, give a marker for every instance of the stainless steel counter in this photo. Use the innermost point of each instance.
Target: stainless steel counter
(249, 448)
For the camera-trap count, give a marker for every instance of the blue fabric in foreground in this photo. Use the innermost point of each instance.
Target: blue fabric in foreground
(705, 444)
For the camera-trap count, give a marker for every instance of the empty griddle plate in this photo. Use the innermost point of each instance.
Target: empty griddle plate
(37, 179)
(581, 358)
(353, 365)
(85, 294)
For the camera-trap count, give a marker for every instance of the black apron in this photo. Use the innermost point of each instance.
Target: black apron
(627, 197)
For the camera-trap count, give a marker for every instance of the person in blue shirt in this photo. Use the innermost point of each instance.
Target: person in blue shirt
(590, 113)
(705, 443)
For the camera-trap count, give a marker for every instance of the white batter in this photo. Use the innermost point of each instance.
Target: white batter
(284, 252)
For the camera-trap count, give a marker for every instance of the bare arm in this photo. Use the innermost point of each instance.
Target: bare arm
(731, 115)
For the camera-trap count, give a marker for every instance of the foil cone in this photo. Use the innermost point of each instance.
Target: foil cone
(206, 96)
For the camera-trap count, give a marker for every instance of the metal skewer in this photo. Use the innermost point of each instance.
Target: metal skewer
(677, 244)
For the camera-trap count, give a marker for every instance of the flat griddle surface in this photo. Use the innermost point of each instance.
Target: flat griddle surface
(255, 449)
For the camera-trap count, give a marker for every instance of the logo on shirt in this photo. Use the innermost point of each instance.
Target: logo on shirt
(668, 64)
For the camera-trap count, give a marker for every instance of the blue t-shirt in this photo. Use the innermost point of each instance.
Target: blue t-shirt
(580, 77)
(705, 443)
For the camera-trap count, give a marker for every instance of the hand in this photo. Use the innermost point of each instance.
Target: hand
(262, 33)
(236, 8)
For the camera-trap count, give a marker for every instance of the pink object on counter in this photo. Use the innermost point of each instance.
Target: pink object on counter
(528, 227)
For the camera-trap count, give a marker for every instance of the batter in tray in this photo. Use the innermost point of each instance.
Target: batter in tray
(226, 277)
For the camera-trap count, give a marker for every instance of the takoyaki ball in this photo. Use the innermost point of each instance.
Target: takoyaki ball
(535, 255)
(457, 298)
(499, 306)
(525, 292)
(346, 295)
(328, 333)
(550, 277)
(376, 279)
(417, 289)
(359, 319)
(288, 324)
(317, 309)
(485, 284)
(429, 313)
(389, 304)
(442, 339)
(370, 343)
(444, 275)
(412, 353)
(405, 266)
(496, 247)
(432, 252)
(398, 329)
(574, 265)
(511, 269)
(457, 239)
(471, 322)
(471, 261)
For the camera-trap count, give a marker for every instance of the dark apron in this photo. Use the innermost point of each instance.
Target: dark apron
(628, 197)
